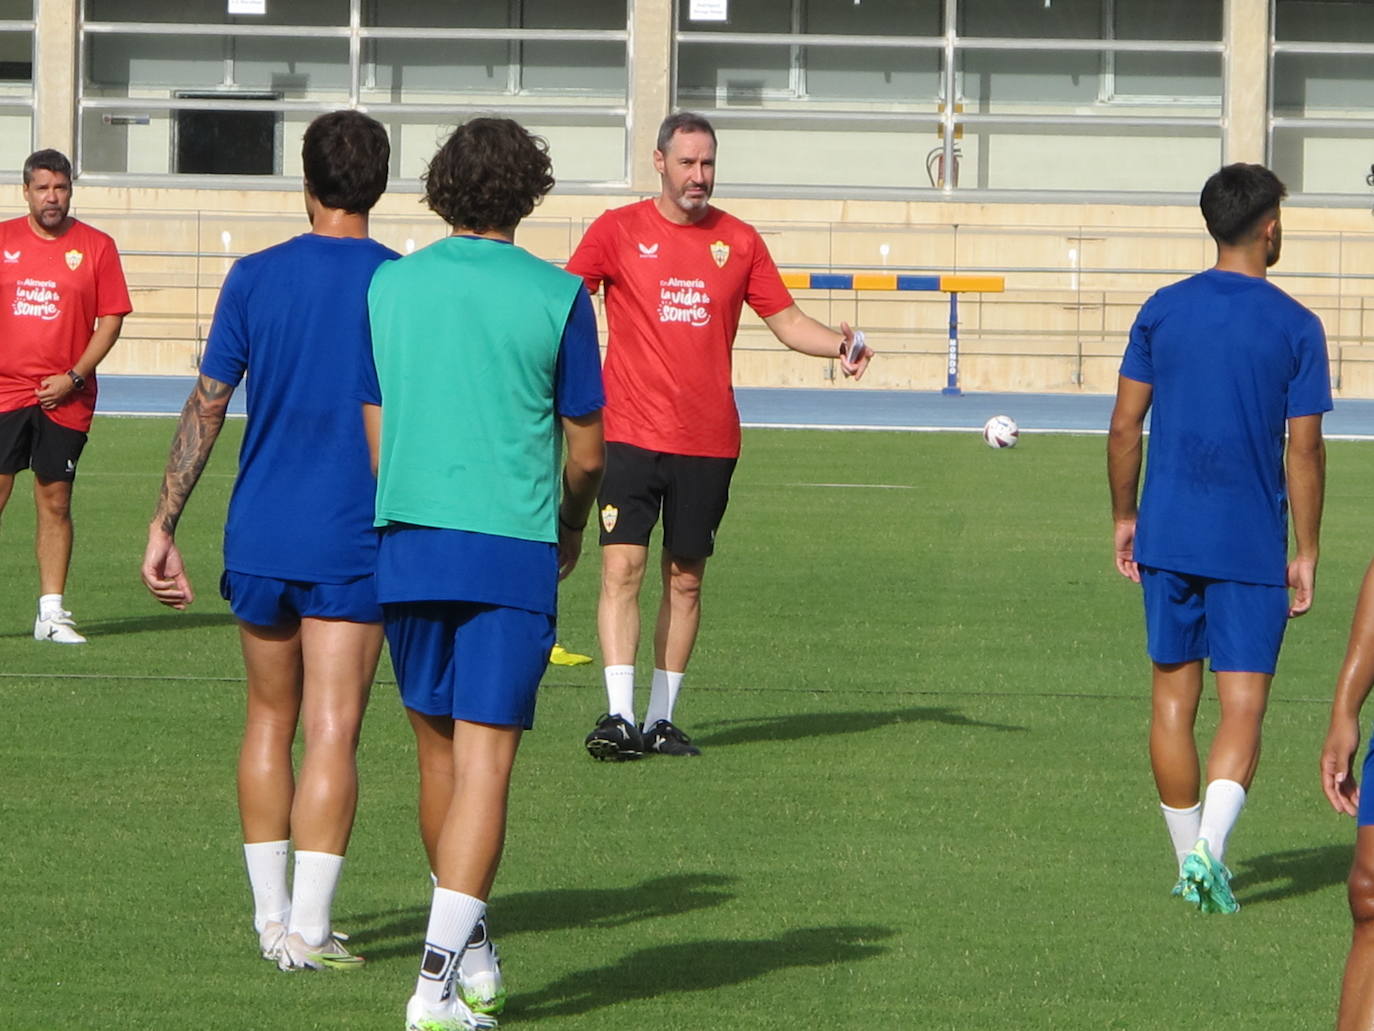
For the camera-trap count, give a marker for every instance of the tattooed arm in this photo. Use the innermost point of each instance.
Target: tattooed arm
(164, 573)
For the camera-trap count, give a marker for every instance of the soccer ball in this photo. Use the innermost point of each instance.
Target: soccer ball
(1001, 431)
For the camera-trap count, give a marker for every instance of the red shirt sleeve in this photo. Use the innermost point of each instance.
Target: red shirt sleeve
(765, 292)
(591, 259)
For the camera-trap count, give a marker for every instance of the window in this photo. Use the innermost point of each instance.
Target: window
(1073, 95)
(16, 83)
(1322, 95)
(155, 70)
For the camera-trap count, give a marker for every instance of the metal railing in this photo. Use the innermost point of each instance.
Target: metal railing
(1071, 290)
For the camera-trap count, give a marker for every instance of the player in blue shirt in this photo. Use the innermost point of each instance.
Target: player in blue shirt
(299, 546)
(1230, 365)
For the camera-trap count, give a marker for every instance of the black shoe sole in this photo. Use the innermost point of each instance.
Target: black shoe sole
(609, 751)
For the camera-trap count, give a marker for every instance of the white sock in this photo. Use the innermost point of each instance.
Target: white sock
(663, 696)
(478, 956)
(266, 862)
(452, 916)
(1221, 806)
(312, 894)
(1183, 827)
(620, 692)
(49, 605)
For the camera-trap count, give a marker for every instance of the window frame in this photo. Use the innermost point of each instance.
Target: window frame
(515, 101)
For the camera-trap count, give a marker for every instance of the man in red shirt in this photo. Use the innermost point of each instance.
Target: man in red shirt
(62, 303)
(677, 273)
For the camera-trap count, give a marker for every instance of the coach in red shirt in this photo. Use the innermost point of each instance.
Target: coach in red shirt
(62, 303)
(677, 273)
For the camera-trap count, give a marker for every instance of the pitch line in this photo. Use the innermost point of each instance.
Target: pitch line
(852, 427)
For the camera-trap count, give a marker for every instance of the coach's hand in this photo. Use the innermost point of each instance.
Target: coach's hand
(854, 369)
(164, 573)
(53, 390)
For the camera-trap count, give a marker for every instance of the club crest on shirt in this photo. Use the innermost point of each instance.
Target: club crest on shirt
(12, 257)
(648, 250)
(609, 515)
(74, 259)
(720, 253)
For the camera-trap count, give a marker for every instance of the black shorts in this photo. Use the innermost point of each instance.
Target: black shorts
(29, 439)
(691, 491)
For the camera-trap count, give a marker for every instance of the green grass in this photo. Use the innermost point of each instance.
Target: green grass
(925, 800)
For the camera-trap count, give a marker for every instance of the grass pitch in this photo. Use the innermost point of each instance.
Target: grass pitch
(925, 800)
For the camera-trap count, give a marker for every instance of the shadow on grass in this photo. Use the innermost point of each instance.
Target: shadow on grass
(555, 910)
(799, 726)
(167, 621)
(697, 966)
(1285, 875)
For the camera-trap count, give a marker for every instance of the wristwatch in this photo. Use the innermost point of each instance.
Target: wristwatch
(78, 381)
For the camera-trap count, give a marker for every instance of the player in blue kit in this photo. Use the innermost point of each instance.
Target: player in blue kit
(486, 367)
(1229, 364)
(299, 546)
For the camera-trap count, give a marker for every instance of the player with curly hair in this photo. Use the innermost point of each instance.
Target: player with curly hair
(486, 364)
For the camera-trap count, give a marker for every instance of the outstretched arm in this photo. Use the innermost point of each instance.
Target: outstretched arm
(1352, 688)
(1124, 453)
(1306, 468)
(164, 573)
(805, 335)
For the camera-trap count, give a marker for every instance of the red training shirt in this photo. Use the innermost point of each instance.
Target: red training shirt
(51, 293)
(674, 294)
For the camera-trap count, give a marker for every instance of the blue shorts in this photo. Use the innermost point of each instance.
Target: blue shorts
(267, 601)
(1239, 626)
(473, 662)
(1365, 816)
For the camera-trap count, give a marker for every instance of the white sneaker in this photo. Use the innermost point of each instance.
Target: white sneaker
(479, 973)
(270, 940)
(451, 1015)
(56, 627)
(297, 954)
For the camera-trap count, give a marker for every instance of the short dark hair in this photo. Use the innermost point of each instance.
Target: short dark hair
(1236, 198)
(49, 161)
(345, 157)
(489, 174)
(683, 121)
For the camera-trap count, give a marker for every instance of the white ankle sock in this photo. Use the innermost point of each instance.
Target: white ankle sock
(1183, 827)
(662, 696)
(478, 956)
(452, 916)
(620, 692)
(312, 894)
(266, 862)
(49, 605)
(1221, 806)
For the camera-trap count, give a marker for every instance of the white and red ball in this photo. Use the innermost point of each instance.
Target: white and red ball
(1001, 431)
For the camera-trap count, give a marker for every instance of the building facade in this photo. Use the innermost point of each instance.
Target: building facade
(1060, 143)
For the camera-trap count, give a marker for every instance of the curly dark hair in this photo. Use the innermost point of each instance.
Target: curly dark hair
(345, 155)
(488, 175)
